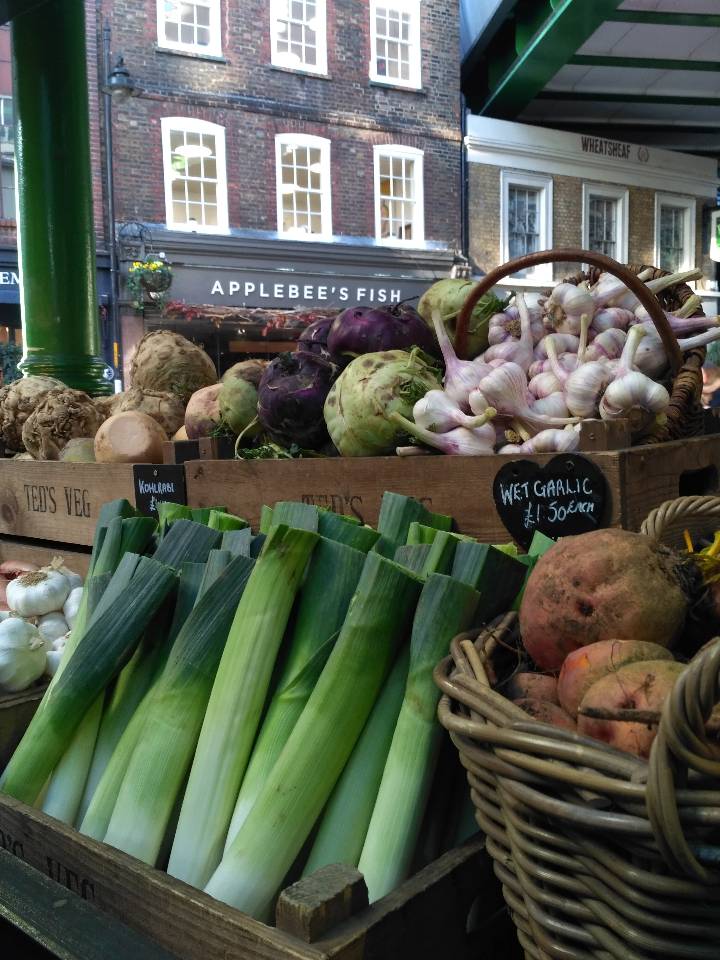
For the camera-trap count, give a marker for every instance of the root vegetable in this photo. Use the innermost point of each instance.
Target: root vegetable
(61, 416)
(584, 667)
(202, 415)
(180, 434)
(642, 686)
(130, 437)
(546, 712)
(166, 361)
(600, 586)
(533, 686)
(79, 450)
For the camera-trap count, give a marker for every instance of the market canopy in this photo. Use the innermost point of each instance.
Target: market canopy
(639, 70)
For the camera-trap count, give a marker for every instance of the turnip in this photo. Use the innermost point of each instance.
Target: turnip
(600, 586)
(130, 437)
(202, 414)
(545, 712)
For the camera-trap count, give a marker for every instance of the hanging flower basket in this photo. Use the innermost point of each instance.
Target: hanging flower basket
(150, 276)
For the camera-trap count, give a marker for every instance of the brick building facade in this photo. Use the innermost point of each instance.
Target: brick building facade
(316, 141)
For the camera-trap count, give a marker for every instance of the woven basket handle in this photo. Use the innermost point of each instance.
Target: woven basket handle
(573, 255)
(683, 510)
(682, 744)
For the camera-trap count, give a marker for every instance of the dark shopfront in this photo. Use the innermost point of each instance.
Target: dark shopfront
(253, 297)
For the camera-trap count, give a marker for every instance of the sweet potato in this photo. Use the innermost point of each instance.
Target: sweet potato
(546, 712)
(599, 586)
(534, 686)
(584, 666)
(636, 686)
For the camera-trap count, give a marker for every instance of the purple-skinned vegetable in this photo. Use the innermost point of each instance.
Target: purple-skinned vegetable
(314, 338)
(360, 330)
(291, 397)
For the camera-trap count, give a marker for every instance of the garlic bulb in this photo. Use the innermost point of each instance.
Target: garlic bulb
(461, 376)
(566, 305)
(585, 386)
(567, 361)
(437, 412)
(612, 318)
(552, 405)
(52, 626)
(461, 441)
(632, 396)
(506, 326)
(52, 662)
(552, 441)
(563, 343)
(679, 325)
(72, 605)
(607, 345)
(23, 654)
(74, 579)
(516, 351)
(544, 384)
(505, 389)
(37, 593)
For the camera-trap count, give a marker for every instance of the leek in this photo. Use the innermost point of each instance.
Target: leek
(186, 540)
(236, 702)
(225, 521)
(497, 575)
(331, 581)
(446, 608)
(347, 530)
(105, 647)
(266, 519)
(413, 556)
(442, 551)
(292, 513)
(108, 770)
(419, 533)
(202, 514)
(346, 817)
(257, 545)
(173, 718)
(237, 541)
(318, 748)
(397, 513)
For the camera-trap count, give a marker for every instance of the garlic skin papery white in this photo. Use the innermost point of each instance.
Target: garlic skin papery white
(516, 351)
(461, 441)
(72, 605)
(553, 405)
(563, 343)
(607, 345)
(631, 395)
(35, 594)
(505, 389)
(566, 305)
(74, 579)
(544, 384)
(23, 654)
(461, 376)
(585, 386)
(52, 626)
(506, 325)
(612, 318)
(437, 412)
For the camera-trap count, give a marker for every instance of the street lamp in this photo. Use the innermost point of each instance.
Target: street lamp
(117, 86)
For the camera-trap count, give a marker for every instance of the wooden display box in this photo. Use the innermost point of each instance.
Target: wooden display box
(424, 919)
(16, 712)
(59, 501)
(638, 478)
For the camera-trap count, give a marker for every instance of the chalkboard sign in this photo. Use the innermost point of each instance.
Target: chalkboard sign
(565, 497)
(155, 484)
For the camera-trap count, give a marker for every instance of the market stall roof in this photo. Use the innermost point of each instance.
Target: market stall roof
(11, 8)
(638, 70)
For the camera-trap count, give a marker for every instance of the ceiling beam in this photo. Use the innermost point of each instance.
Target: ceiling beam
(643, 63)
(643, 17)
(526, 55)
(588, 96)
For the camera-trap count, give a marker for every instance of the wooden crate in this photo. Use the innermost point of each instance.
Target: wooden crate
(16, 712)
(41, 552)
(424, 919)
(59, 501)
(638, 479)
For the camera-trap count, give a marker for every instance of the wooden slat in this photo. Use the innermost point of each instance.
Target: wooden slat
(66, 926)
(58, 501)
(16, 712)
(459, 486)
(651, 475)
(77, 558)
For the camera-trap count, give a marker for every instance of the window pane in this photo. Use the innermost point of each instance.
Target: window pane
(602, 225)
(393, 50)
(523, 221)
(672, 237)
(194, 177)
(396, 202)
(295, 34)
(301, 186)
(189, 24)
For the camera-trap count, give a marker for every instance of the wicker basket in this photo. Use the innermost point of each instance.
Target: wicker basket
(698, 515)
(685, 414)
(601, 855)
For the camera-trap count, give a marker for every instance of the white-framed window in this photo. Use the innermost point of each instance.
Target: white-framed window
(525, 219)
(399, 203)
(195, 175)
(395, 55)
(304, 202)
(674, 232)
(298, 34)
(605, 220)
(190, 25)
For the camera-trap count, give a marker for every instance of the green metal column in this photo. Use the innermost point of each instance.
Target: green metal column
(56, 238)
